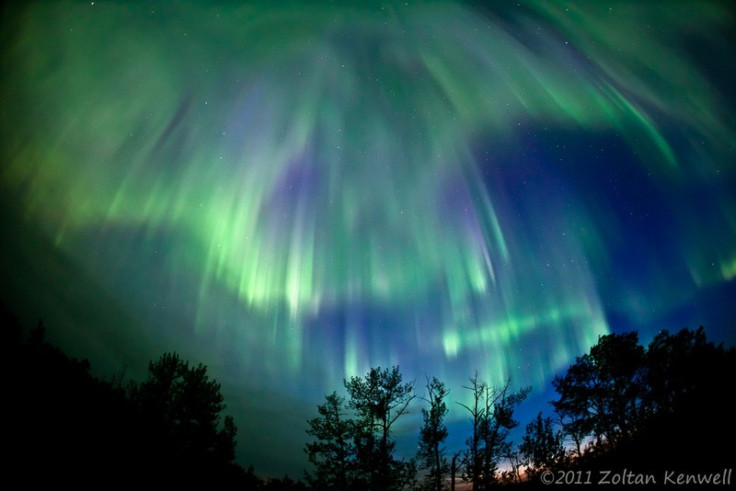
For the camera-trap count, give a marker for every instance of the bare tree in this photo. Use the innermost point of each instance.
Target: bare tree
(473, 457)
(492, 411)
(433, 433)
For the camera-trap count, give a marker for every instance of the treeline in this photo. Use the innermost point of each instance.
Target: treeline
(666, 406)
(622, 406)
(353, 447)
(64, 426)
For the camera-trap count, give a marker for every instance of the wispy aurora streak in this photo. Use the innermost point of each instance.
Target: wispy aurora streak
(324, 167)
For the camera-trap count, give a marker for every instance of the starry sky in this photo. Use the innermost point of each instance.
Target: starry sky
(292, 193)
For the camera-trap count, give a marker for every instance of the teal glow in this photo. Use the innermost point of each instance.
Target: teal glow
(309, 191)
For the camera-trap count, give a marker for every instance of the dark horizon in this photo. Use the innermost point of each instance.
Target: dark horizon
(663, 404)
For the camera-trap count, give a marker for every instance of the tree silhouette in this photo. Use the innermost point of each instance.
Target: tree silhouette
(676, 366)
(433, 433)
(501, 403)
(541, 447)
(515, 460)
(657, 407)
(492, 411)
(61, 424)
(67, 426)
(689, 388)
(601, 393)
(378, 400)
(333, 452)
(183, 406)
(473, 457)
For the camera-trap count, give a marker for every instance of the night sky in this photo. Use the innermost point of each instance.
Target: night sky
(292, 194)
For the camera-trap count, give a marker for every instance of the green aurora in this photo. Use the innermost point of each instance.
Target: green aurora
(295, 193)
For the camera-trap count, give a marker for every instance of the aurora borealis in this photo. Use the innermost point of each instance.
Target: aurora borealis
(294, 193)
